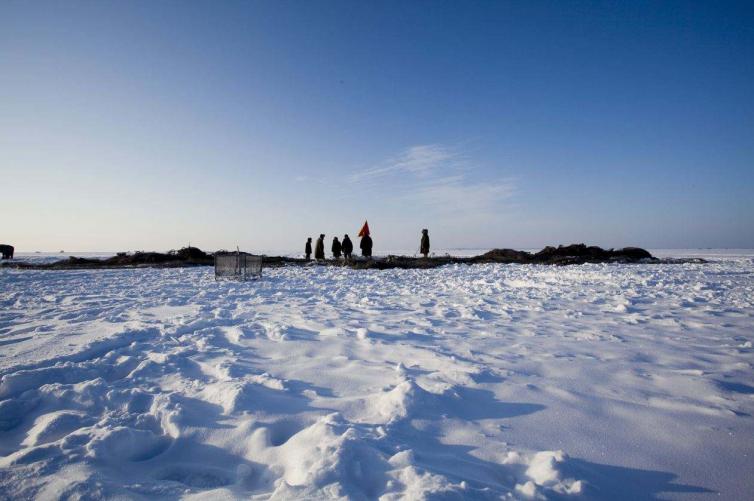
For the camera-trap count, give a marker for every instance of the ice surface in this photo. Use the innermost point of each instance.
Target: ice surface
(474, 382)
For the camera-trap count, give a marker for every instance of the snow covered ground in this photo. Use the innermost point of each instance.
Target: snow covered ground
(477, 382)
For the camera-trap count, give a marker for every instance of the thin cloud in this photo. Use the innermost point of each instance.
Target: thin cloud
(456, 196)
(418, 160)
(435, 181)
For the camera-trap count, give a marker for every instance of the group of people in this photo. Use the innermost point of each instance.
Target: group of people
(345, 247)
(338, 248)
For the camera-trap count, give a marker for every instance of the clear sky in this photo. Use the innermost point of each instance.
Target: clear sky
(147, 125)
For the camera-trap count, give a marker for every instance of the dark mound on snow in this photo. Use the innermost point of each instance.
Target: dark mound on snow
(561, 255)
(187, 256)
(582, 253)
(192, 256)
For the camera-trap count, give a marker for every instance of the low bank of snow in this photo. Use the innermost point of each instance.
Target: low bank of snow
(486, 381)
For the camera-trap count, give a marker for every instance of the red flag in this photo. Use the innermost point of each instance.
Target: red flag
(364, 229)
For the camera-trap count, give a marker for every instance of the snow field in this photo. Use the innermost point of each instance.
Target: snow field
(482, 382)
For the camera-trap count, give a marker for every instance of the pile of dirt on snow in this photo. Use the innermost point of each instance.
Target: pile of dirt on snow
(192, 256)
(187, 256)
(561, 255)
(568, 254)
(580, 253)
(504, 256)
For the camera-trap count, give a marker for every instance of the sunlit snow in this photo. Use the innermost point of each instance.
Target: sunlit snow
(485, 381)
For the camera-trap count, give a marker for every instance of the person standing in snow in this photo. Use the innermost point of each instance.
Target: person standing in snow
(424, 245)
(366, 246)
(366, 241)
(308, 249)
(319, 248)
(347, 248)
(336, 248)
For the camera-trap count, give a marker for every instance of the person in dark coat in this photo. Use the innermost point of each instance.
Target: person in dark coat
(308, 249)
(319, 248)
(424, 245)
(336, 248)
(347, 247)
(366, 246)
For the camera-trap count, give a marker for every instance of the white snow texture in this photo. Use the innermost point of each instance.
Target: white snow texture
(464, 382)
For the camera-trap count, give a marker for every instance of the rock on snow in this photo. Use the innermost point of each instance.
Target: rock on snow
(484, 382)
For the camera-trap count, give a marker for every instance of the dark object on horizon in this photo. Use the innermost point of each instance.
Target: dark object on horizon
(424, 245)
(347, 247)
(308, 249)
(566, 254)
(6, 251)
(506, 256)
(336, 248)
(559, 256)
(319, 248)
(191, 253)
(366, 246)
(579, 253)
(187, 256)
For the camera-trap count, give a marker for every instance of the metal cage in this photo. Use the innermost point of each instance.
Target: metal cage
(238, 266)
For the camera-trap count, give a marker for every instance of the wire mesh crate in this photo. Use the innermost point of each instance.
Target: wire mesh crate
(238, 266)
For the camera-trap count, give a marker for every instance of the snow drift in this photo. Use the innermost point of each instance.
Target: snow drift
(486, 381)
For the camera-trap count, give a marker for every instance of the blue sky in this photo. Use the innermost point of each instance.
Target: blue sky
(148, 125)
